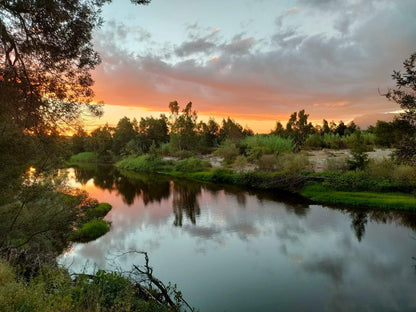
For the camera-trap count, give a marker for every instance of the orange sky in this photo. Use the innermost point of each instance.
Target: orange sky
(256, 62)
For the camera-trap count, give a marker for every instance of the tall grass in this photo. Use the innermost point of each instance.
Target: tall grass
(84, 157)
(320, 193)
(144, 163)
(268, 144)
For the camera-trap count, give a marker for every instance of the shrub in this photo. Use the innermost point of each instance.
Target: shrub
(259, 145)
(334, 141)
(143, 163)
(228, 151)
(90, 231)
(380, 168)
(314, 141)
(291, 163)
(192, 164)
(267, 163)
(84, 157)
(240, 163)
(336, 164)
(99, 211)
(357, 181)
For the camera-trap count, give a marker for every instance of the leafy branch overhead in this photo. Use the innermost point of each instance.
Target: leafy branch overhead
(46, 56)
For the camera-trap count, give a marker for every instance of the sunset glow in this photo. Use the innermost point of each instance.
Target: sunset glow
(254, 61)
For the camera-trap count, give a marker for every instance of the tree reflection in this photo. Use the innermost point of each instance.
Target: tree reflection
(129, 185)
(358, 221)
(185, 201)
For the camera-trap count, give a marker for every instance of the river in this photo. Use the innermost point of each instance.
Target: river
(229, 249)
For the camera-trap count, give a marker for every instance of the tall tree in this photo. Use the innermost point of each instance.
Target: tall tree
(46, 55)
(405, 95)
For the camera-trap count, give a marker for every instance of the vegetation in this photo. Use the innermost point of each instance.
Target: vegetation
(90, 231)
(319, 193)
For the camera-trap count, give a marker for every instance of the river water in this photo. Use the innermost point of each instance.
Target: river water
(229, 249)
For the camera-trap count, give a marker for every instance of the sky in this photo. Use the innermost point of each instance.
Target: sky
(256, 61)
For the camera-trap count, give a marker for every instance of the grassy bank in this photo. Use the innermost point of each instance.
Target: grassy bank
(53, 289)
(352, 188)
(321, 194)
(84, 157)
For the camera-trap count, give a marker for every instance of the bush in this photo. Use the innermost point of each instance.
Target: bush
(267, 163)
(84, 157)
(336, 164)
(99, 211)
(258, 145)
(240, 163)
(228, 151)
(144, 163)
(334, 141)
(314, 141)
(90, 231)
(357, 181)
(192, 164)
(292, 164)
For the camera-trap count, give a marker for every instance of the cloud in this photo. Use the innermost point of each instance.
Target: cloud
(288, 70)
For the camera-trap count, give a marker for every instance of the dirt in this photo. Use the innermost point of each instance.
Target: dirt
(319, 159)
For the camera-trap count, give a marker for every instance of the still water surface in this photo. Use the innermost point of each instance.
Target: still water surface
(228, 249)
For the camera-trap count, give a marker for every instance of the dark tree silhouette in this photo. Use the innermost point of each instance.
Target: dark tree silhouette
(405, 95)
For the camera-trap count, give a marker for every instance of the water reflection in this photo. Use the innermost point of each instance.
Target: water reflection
(238, 250)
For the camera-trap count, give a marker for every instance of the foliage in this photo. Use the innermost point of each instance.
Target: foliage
(192, 164)
(227, 150)
(325, 194)
(52, 289)
(359, 157)
(182, 127)
(258, 145)
(152, 130)
(405, 96)
(84, 157)
(90, 231)
(267, 163)
(99, 211)
(144, 163)
(292, 164)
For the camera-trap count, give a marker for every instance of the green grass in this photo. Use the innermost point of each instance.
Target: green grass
(401, 201)
(99, 211)
(90, 231)
(84, 157)
(144, 163)
(268, 144)
(53, 290)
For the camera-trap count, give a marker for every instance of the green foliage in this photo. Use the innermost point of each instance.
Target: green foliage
(292, 163)
(228, 150)
(267, 162)
(84, 157)
(325, 194)
(333, 141)
(90, 231)
(192, 164)
(99, 211)
(144, 163)
(240, 162)
(53, 290)
(359, 157)
(357, 181)
(258, 145)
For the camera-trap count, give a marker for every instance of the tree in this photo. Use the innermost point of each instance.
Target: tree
(298, 127)
(405, 95)
(183, 126)
(46, 55)
(153, 130)
(123, 134)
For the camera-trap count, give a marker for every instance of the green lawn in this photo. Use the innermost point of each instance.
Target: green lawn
(318, 193)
